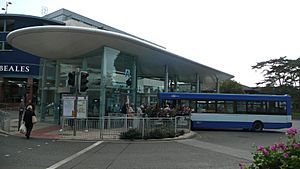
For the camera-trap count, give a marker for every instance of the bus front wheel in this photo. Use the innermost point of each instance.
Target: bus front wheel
(257, 126)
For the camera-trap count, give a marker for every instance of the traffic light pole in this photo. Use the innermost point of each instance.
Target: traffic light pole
(77, 73)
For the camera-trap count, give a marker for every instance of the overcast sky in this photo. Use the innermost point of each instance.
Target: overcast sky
(228, 35)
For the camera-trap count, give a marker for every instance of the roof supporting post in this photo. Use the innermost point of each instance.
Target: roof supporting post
(166, 79)
(56, 93)
(175, 83)
(198, 87)
(217, 85)
(43, 91)
(134, 83)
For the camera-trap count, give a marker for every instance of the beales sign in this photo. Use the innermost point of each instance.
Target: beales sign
(21, 70)
(15, 68)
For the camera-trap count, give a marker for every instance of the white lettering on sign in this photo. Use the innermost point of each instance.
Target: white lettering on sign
(14, 68)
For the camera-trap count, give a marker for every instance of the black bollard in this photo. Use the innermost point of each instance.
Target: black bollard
(21, 110)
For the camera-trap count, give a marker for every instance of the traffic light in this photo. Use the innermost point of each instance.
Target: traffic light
(83, 81)
(129, 81)
(71, 78)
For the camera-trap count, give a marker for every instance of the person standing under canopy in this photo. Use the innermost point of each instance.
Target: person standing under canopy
(28, 120)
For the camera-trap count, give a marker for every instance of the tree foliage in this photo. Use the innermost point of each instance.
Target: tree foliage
(279, 72)
(231, 86)
(281, 76)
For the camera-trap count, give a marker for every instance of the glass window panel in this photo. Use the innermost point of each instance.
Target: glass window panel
(256, 107)
(201, 106)
(229, 107)
(1, 45)
(211, 108)
(122, 70)
(186, 107)
(119, 71)
(282, 107)
(221, 106)
(275, 107)
(10, 25)
(1, 25)
(241, 106)
(7, 46)
(94, 69)
(272, 107)
(225, 107)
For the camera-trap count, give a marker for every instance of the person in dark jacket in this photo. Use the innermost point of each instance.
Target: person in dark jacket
(28, 120)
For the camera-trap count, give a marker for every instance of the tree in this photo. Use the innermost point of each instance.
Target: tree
(231, 86)
(279, 72)
(281, 76)
(294, 67)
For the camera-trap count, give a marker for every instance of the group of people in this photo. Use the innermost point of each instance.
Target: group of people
(167, 110)
(182, 110)
(129, 110)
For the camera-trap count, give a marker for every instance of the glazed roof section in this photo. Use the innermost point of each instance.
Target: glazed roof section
(22, 17)
(56, 42)
(63, 15)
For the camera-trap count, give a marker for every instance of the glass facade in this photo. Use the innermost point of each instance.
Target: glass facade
(113, 81)
(118, 68)
(6, 26)
(108, 69)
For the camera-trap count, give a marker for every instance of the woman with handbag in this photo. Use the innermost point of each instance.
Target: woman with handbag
(28, 116)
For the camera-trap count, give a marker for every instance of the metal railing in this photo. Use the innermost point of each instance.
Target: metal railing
(4, 121)
(111, 128)
(9, 107)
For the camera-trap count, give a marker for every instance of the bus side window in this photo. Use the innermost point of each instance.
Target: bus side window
(241, 106)
(201, 106)
(282, 108)
(271, 107)
(276, 107)
(257, 107)
(225, 107)
(211, 107)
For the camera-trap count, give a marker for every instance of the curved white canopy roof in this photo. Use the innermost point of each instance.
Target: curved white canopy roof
(66, 42)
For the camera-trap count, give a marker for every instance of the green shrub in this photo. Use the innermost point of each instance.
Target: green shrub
(131, 134)
(158, 133)
(162, 132)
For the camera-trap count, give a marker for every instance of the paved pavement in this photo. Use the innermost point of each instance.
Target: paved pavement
(40, 130)
(49, 130)
(52, 131)
(44, 130)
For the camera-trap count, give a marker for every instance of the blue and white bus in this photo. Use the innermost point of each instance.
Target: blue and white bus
(245, 111)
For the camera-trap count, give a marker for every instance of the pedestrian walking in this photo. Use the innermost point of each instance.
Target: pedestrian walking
(28, 120)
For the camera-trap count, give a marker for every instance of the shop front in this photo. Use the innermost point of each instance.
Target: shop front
(19, 71)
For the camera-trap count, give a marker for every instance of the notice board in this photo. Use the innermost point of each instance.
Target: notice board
(68, 106)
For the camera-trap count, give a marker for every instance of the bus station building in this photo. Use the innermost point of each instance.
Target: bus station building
(122, 68)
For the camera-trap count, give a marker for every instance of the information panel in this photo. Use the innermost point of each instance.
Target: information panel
(82, 107)
(68, 106)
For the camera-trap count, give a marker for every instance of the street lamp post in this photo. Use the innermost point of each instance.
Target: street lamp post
(5, 9)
